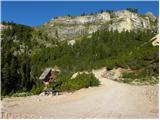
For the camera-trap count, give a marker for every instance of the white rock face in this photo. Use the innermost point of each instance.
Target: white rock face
(3, 26)
(124, 13)
(71, 42)
(150, 15)
(125, 20)
(155, 40)
(123, 25)
(74, 26)
(83, 19)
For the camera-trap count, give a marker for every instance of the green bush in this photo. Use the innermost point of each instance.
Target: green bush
(37, 88)
(65, 83)
(142, 76)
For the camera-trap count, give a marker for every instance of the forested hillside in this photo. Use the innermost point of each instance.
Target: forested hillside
(16, 61)
(24, 57)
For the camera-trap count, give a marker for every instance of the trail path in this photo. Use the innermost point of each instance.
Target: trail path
(110, 100)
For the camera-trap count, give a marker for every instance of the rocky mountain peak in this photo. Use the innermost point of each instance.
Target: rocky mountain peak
(71, 27)
(151, 16)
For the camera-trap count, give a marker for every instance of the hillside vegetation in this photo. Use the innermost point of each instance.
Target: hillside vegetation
(65, 83)
(24, 57)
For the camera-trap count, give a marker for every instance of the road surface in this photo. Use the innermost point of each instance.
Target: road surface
(110, 100)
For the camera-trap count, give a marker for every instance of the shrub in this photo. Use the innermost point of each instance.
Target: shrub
(65, 83)
(142, 76)
(37, 88)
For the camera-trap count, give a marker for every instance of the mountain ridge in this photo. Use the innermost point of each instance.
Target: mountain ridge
(71, 27)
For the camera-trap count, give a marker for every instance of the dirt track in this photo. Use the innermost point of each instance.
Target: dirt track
(110, 100)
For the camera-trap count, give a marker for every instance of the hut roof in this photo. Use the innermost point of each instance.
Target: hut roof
(45, 73)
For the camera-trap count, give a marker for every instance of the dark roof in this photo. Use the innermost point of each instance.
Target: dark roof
(45, 73)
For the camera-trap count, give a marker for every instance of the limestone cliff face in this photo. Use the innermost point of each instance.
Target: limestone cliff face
(125, 20)
(81, 19)
(3, 26)
(71, 27)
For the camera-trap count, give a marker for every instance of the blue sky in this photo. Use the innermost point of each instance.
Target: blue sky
(36, 13)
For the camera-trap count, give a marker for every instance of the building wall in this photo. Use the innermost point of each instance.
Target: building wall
(47, 78)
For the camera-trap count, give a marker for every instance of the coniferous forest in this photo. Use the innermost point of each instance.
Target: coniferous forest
(23, 59)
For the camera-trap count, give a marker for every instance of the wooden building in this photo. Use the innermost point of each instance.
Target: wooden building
(49, 75)
(45, 76)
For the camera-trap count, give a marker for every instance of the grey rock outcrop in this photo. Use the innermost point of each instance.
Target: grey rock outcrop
(71, 27)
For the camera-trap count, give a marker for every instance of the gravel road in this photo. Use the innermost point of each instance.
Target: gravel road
(110, 100)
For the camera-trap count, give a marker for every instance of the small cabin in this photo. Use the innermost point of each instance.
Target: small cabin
(45, 76)
(49, 75)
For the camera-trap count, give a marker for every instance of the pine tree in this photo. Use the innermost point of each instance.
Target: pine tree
(5, 78)
(14, 76)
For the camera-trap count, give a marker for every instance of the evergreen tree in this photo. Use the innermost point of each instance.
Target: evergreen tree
(5, 78)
